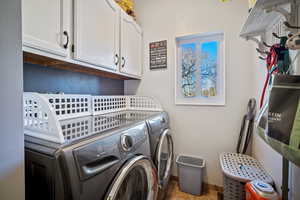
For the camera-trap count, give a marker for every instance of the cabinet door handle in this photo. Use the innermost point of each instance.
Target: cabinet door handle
(117, 59)
(124, 62)
(67, 43)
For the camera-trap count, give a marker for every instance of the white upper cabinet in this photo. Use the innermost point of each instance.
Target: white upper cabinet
(96, 32)
(93, 33)
(131, 46)
(46, 25)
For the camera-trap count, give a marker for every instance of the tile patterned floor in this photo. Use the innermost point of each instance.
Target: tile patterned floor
(174, 193)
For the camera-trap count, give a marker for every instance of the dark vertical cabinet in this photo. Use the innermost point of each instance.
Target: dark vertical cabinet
(39, 176)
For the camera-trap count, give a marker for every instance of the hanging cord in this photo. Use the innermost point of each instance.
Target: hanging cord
(271, 62)
(278, 61)
(247, 127)
(264, 90)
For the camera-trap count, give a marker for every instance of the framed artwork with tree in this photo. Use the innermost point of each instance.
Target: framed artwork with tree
(200, 70)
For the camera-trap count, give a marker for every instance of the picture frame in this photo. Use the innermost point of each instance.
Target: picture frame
(158, 56)
(206, 84)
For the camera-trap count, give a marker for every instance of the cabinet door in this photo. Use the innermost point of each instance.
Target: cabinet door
(39, 176)
(46, 25)
(96, 32)
(131, 46)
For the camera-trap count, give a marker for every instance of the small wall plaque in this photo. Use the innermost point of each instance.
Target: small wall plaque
(158, 54)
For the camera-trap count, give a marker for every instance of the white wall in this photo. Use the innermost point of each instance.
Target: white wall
(11, 90)
(204, 131)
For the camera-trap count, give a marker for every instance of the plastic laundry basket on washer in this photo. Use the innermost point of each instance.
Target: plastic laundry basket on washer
(238, 169)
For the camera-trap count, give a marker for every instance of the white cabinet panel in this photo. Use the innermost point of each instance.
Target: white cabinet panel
(46, 25)
(131, 46)
(101, 35)
(96, 32)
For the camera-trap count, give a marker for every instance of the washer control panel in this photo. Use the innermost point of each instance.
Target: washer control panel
(133, 137)
(127, 142)
(159, 123)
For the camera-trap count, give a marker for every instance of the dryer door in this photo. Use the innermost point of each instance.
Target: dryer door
(137, 180)
(164, 158)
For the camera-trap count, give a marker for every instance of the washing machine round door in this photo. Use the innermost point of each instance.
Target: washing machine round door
(164, 158)
(137, 180)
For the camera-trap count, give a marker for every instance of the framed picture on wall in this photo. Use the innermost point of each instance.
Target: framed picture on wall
(200, 70)
(158, 55)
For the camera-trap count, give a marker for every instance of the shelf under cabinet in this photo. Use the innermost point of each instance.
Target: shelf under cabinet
(58, 64)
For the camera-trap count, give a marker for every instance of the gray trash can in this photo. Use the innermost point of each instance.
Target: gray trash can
(190, 173)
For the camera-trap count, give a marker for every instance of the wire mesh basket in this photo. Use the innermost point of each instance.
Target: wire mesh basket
(65, 117)
(108, 104)
(239, 169)
(76, 128)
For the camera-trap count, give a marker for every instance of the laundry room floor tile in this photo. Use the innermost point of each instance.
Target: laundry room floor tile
(174, 193)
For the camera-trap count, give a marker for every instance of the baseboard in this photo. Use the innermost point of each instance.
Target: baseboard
(206, 186)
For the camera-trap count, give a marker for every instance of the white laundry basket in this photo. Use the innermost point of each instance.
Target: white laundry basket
(190, 172)
(53, 117)
(238, 169)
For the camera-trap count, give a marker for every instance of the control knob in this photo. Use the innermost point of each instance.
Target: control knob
(126, 142)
